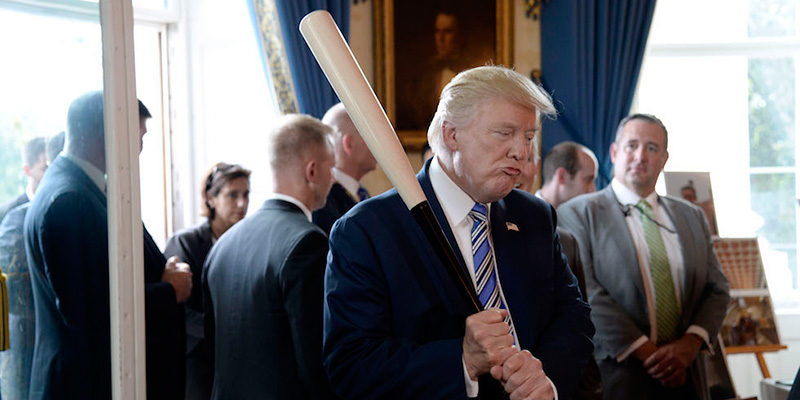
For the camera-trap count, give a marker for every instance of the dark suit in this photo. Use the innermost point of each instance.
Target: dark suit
(394, 319)
(66, 239)
(619, 306)
(589, 386)
(262, 287)
(6, 207)
(192, 246)
(15, 363)
(339, 202)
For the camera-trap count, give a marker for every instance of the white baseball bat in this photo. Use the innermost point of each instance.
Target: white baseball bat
(340, 67)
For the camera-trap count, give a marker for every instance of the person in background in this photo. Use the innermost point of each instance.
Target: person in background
(15, 363)
(652, 323)
(589, 387)
(66, 241)
(353, 161)
(262, 281)
(569, 170)
(225, 197)
(34, 163)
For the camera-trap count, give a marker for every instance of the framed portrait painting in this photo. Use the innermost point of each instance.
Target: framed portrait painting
(420, 46)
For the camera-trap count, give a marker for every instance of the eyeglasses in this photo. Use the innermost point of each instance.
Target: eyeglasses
(219, 168)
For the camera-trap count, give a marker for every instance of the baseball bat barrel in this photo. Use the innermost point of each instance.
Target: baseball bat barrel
(345, 75)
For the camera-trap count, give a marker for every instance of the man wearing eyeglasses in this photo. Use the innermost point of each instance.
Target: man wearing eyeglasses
(657, 292)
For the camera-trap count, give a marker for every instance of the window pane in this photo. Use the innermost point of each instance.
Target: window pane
(771, 18)
(692, 21)
(48, 62)
(773, 198)
(771, 98)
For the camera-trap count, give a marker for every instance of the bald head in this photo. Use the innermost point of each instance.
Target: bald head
(85, 129)
(352, 154)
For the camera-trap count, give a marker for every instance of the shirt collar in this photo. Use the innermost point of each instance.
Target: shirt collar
(626, 196)
(94, 173)
(348, 182)
(455, 202)
(30, 193)
(290, 199)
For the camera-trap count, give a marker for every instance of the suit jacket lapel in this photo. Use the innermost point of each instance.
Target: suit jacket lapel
(514, 280)
(427, 188)
(618, 234)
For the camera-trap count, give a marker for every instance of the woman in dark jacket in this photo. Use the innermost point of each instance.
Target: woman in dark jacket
(225, 194)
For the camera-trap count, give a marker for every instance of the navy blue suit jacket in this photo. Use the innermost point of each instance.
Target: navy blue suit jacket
(394, 319)
(66, 241)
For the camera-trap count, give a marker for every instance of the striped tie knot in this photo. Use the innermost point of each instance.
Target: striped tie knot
(478, 212)
(645, 208)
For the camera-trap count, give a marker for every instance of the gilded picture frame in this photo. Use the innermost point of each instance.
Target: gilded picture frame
(419, 46)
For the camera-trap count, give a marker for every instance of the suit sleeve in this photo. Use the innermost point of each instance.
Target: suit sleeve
(616, 330)
(301, 280)
(566, 343)
(710, 310)
(363, 356)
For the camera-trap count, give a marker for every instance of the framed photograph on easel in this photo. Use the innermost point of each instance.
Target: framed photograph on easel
(694, 187)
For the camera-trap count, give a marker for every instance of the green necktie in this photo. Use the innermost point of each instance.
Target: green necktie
(667, 313)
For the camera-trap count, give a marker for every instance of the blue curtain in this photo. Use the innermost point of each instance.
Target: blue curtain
(313, 94)
(592, 52)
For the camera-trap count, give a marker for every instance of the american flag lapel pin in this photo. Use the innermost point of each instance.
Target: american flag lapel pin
(512, 226)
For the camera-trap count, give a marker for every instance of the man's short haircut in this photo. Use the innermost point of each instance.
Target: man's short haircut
(641, 117)
(85, 120)
(462, 98)
(563, 155)
(33, 150)
(54, 146)
(143, 111)
(295, 138)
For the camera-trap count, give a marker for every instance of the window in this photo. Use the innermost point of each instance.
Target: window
(722, 76)
(39, 85)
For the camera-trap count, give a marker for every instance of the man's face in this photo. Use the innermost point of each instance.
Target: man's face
(360, 152)
(639, 156)
(583, 180)
(688, 194)
(490, 153)
(322, 185)
(446, 35)
(36, 171)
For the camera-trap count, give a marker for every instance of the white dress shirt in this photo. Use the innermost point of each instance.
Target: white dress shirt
(350, 184)
(456, 205)
(290, 199)
(633, 219)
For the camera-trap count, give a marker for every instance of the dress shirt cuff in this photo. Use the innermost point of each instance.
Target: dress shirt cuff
(472, 386)
(700, 331)
(555, 391)
(638, 343)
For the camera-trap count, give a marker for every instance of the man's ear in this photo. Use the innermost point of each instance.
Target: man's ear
(26, 169)
(347, 143)
(613, 151)
(311, 170)
(561, 175)
(449, 135)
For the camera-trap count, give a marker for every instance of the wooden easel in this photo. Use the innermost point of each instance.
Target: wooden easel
(759, 352)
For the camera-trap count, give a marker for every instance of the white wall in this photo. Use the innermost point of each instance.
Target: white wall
(229, 105)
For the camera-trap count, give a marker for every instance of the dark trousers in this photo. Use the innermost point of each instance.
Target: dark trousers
(629, 380)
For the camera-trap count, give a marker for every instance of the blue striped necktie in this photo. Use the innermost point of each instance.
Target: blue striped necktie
(362, 193)
(483, 256)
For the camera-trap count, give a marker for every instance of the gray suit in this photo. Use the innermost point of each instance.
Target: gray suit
(619, 305)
